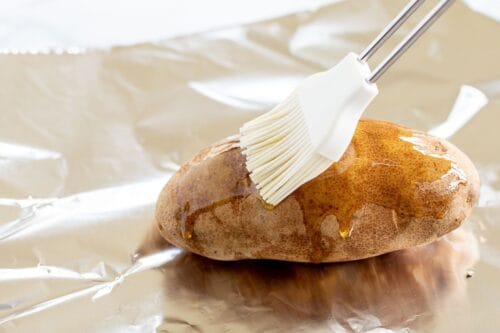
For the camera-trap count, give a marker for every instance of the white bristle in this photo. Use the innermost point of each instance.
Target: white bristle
(311, 129)
(280, 156)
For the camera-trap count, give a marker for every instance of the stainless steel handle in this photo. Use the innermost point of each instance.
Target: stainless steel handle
(408, 41)
(390, 29)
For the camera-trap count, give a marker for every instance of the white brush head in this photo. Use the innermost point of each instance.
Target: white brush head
(302, 136)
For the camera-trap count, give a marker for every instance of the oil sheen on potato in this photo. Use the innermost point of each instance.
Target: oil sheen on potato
(384, 165)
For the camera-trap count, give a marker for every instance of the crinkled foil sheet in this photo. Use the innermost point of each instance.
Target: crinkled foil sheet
(88, 140)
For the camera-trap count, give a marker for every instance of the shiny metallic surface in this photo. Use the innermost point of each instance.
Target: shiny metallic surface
(87, 141)
(390, 29)
(409, 40)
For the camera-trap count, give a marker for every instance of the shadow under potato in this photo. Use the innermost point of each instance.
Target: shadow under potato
(400, 289)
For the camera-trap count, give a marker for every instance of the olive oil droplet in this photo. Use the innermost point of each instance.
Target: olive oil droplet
(188, 234)
(345, 232)
(268, 206)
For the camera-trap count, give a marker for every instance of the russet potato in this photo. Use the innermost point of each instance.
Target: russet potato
(394, 188)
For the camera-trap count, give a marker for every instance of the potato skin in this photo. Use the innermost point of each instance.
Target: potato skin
(394, 188)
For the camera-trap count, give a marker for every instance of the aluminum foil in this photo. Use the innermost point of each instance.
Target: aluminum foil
(87, 141)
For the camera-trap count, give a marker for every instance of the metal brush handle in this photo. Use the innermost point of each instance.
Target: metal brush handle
(408, 41)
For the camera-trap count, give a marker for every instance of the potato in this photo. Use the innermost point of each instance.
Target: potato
(394, 188)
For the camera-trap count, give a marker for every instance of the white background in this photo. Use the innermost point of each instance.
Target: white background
(40, 24)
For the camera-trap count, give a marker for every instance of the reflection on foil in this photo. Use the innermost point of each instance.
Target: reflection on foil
(397, 291)
(141, 264)
(96, 291)
(27, 209)
(253, 93)
(491, 88)
(24, 169)
(490, 195)
(469, 101)
(44, 214)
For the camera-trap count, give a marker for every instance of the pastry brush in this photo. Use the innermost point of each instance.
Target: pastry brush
(311, 129)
